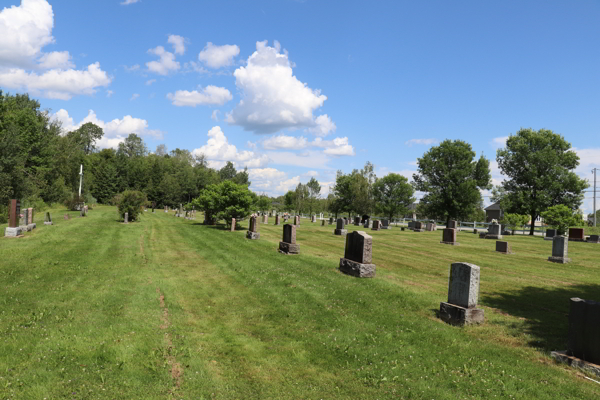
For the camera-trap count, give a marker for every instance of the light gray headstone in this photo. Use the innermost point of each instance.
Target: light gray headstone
(463, 285)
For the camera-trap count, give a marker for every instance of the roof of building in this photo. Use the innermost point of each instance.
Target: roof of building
(493, 207)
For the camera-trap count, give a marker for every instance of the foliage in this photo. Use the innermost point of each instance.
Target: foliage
(539, 166)
(131, 202)
(561, 217)
(263, 203)
(225, 200)
(73, 202)
(512, 221)
(452, 180)
(314, 192)
(393, 195)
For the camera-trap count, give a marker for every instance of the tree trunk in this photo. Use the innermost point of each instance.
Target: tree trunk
(531, 229)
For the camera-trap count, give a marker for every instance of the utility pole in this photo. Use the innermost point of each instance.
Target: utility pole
(594, 172)
(80, 179)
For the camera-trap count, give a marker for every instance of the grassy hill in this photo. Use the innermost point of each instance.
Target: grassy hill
(168, 308)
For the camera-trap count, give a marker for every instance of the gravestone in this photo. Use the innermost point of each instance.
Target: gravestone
(330, 220)
(48, 220)
(449, 236)
(418, 227)
(368, 224)
(385, 224)
(13, 229)
(358, 255)
(166, 209)
(452, 225)
(560, 250)
(277, 221)
(126, 218)
(82, 212)
(30, 216)
(153, 206)
(576, 235)
(322, 222)
(583, 345)
(340, 231)
(252, 232)
(482, 235)
(376, 226)
(296, 220)
(402, 228)
(346, 221)
(356, 221)
(313, 218)
(25, 226)
(463, 293)
(550, 233)
(265, 219)
(411, 225)
(232, 228)
(67, 216)
(494, 231)
(503, 247)
(288, 245)
(593, 239)
(430, 227)
(475, 231)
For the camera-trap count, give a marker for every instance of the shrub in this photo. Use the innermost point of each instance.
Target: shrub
(131, 202)
(3, 214)
(561, 218)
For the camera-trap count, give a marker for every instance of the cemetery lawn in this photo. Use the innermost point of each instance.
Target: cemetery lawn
(167, 308)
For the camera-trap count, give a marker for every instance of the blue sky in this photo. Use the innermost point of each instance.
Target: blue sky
(294, 89)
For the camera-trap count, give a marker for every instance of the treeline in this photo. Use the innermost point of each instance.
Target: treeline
(40, 163)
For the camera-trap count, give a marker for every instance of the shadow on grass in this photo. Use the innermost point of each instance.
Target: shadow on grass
(545, 311)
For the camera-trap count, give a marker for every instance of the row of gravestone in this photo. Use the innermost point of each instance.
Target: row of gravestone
(463, 288)
(16, 228)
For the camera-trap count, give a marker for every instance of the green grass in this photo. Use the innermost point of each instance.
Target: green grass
(81, 315)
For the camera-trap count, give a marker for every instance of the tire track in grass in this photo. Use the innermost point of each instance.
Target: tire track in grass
(176, 369)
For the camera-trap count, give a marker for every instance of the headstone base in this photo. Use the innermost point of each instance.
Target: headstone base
(31, 226)
(563, 357)
(252, 235)
(47, 223)
(13, 232)
(418, 230)
(482, 235)
(560, 260)
(451, 243)
(289, 248)
(359, 270)
(593, 239)
(25, 228)
(576, 240)
(497, 237)
(386, 227)
(340, 232)
(548, 238)
(457, 315)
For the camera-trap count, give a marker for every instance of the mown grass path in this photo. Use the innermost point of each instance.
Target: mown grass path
(169, 308)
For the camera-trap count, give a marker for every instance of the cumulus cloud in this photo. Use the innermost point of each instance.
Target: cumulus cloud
(335, 147)
(24, 31)
(134, 67)
(150, 82)
(115, 131)
(273, 98)
(210, 95)
(56, 83)
(499, 141)
(288, 184)
(56, 59)
(218, 56)
(134, 96)
(128, 2)
(427, 142)
(215, 115)
(166, 62)
(218, 148)
(109, 93)
(178, 43)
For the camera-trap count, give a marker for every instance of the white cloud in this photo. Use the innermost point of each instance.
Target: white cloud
(218, 148)
(55, 83)
(324, 126)
(215, 115)
(166, 62)
(499, 141)
(273, 98)
(288, 184)
(285, 142)
(115, 131)
(311, 173)
(309, 159)
(128, 2)
(178, 43)
(134, 96)
(218, 56)
(25, 30)
(150, 82)
(109, 93)
(266, 174)
(210, 95)
(335, 147)
(428, 142)
(56, 59)
(134, 67)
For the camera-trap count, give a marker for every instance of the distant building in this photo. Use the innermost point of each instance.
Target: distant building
(493, 212)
